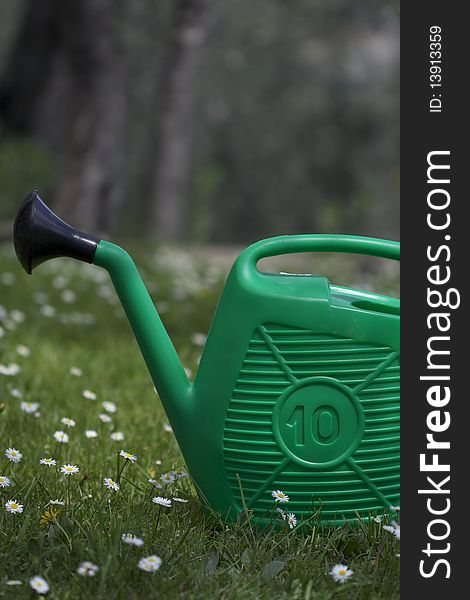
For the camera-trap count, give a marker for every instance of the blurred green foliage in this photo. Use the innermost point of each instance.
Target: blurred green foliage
(296, 121)
(294, 129)
(23, 163)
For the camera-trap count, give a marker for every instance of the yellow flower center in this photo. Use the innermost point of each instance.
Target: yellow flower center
(341, 572)
(14, 505)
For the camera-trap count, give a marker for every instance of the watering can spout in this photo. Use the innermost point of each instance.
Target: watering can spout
(40, 235)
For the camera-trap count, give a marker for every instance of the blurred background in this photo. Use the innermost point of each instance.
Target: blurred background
(199, 121)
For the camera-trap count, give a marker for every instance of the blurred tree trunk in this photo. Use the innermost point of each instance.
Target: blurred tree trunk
(26, 74)
(90, 191)
(191, 24)
(64, 85)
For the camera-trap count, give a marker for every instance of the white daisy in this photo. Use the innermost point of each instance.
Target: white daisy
(109, 406)
(117, 436)
(59, 282)
(291, 520)
(69, 469)
(5, 481)
(167, 478)
(17, 316)
(111, 484)
(7, 278)
(132, 540)
(13, 582)
(67, 422)
(39, 585)
(104, 418)
(13, 506)
(280, 496)
(61, 437)
(161, 501)
(13, 455)
(23, 351)
(150, 563)
(87, 569)
(341, 573)
(76, 372)
(15, 392)
(10, 370)
(29, 407)
(393, 528)
(128, 456)
(91, 433)
(49, 462)
(198, 339)
(56, 502)
(155, 483)
(89, 395)
(182, 500)
(47, 310)
(68, 296)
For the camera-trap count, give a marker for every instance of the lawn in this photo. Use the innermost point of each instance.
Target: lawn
(63, 333)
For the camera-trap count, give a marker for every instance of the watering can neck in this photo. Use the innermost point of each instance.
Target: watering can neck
(40, 235)
(157, 349)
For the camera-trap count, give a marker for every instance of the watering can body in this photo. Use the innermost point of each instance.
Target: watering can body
(299, 388)
(298, 385)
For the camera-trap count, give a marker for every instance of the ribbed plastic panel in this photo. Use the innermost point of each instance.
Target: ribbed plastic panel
(277, 358)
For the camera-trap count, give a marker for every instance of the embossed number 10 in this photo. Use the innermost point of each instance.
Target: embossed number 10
(314, 425)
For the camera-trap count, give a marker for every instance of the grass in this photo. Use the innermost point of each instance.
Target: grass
(67, 315)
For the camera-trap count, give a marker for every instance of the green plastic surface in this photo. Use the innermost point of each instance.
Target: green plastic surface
(297, 388)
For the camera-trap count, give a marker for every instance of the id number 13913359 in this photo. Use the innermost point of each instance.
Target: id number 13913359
(435, 68)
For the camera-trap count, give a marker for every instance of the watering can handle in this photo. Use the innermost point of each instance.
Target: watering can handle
(291, 244)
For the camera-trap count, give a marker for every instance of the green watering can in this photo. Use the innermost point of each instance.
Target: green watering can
(298, 384)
